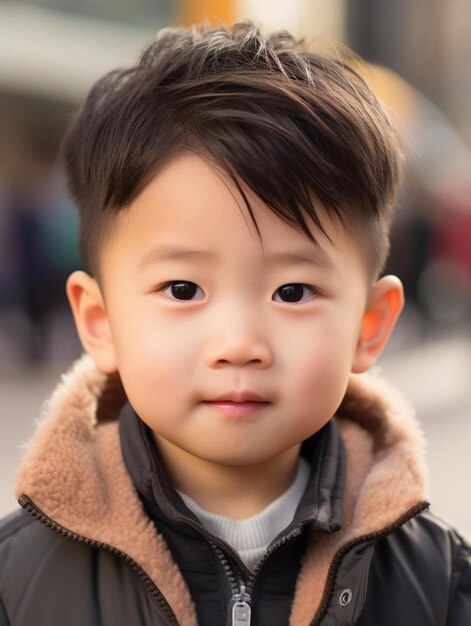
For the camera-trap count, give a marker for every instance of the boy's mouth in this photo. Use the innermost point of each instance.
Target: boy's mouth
(236, 409)
(238, 403)
(239, 397)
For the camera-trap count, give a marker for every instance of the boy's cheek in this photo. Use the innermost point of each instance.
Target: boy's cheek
(155, 369)
(325, 384)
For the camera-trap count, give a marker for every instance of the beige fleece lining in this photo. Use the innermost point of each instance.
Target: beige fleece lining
(74, 471)
(386, 476)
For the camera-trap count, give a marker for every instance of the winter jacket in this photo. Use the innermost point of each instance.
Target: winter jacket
(115, 547)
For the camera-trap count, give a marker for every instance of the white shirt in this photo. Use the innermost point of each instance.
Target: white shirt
(251, 536)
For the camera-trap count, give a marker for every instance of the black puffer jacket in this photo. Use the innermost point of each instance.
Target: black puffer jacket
(117, 546)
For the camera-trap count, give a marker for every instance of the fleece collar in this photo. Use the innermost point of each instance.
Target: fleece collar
(73, 470)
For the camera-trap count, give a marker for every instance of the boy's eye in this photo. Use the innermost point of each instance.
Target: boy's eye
(293, 292)
(181, 289)
(185, 290)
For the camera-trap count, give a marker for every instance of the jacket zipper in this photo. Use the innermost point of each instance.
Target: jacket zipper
(240, 605)
(34, 510)
(336, 561)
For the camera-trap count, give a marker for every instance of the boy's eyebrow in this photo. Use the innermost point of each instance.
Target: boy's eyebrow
(314, 256)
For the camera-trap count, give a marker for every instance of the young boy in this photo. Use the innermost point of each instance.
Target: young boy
(219, 455)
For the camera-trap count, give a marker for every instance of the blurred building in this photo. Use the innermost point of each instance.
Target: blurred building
(426, 41)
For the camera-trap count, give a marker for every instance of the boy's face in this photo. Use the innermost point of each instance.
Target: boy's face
(228, 325)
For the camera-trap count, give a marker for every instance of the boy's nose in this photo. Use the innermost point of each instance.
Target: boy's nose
(238, 349)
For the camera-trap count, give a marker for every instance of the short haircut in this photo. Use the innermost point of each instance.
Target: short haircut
(296, 126)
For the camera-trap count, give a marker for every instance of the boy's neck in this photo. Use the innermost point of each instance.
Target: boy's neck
(237, 492)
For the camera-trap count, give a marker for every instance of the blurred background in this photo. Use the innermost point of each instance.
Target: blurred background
(418, 54)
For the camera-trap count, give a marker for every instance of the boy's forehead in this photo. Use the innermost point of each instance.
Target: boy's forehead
(162, 252)
(191, 191)
(192, 210)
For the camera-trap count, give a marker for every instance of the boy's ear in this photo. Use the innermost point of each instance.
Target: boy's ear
(385, 304)
(91, 319)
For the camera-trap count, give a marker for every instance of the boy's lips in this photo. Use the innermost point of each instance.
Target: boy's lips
(238, 396)
(238, 404)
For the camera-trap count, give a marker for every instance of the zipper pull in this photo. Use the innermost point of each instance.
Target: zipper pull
(241, 613)
(241, 610)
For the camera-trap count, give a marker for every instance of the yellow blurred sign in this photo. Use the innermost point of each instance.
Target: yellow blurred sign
(211, 11)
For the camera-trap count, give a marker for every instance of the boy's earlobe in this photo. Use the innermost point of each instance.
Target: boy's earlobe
(385, 304)
(91, 319)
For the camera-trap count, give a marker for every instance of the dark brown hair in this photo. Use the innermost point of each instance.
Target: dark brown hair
(295, 126)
